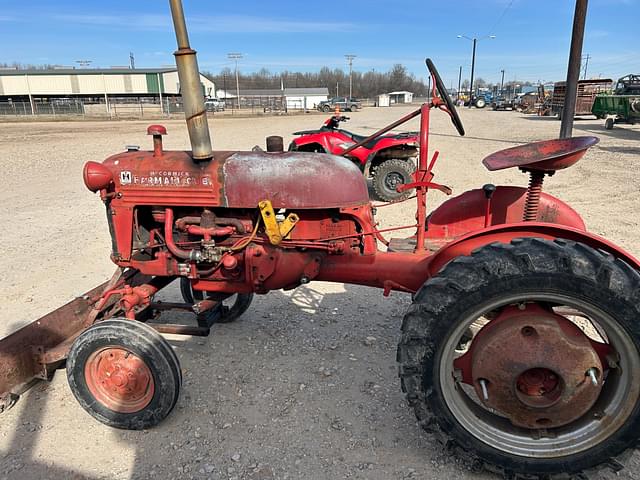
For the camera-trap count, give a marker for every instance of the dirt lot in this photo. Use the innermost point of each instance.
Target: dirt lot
(292, 390)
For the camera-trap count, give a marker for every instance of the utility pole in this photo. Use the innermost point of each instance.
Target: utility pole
(236, 56)
(337, 94)
(586, 65)
(473, 61)
(132, 61)
(350, 60)
(502, 83)
(573, 70)
(459, 83)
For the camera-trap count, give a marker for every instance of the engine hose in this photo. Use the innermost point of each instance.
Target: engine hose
(195, 255)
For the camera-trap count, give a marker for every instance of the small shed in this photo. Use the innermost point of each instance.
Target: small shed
(383, 100)
(401, 97)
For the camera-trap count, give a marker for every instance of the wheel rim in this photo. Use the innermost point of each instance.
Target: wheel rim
(392, 180)
(612, 407)
(119, 379)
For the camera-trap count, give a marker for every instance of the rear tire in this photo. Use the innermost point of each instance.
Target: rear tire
(388, 175)
(124, 374)
(326, 108)
(499, 274)
(608, 123)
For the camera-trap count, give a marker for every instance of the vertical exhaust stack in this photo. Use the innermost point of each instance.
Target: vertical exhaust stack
(190, 89)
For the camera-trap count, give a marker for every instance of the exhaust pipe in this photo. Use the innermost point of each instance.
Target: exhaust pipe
(190, 89)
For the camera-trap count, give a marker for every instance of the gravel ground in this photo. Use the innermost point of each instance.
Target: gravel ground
(304, 386)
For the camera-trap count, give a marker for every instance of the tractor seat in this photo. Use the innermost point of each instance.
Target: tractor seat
(545, 156)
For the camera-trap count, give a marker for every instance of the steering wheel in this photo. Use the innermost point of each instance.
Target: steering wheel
(444, 95)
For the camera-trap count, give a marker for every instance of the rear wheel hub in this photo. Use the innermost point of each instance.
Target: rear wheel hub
(534, 367)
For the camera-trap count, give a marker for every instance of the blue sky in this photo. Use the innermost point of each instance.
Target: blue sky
(532, 36)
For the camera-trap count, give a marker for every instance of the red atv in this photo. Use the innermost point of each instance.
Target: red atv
(388, 159)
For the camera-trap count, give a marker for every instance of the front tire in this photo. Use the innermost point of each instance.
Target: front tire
(551, 275)
(608, 123)
(481, 103)
(388, 175)
(124, 374)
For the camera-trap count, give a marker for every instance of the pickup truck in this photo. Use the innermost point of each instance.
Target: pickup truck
(214, 105)
(350, 104)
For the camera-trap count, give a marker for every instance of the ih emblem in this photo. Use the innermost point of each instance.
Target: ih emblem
(125, 177)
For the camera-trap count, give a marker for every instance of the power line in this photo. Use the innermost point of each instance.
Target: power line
(504, 12)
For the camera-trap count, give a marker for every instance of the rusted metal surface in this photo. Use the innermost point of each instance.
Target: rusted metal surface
(190, 90)
(532, 366)
(34, 351)
(118, 379)
(532, 204)
(547, 156)
(175, 329)
(293, 180)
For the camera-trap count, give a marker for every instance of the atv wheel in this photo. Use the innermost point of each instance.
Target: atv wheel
(124, 374)
(388, 175)
(549, 385)
(231, 309)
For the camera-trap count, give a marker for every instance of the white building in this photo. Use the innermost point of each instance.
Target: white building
(401, 97)
(305, 98)
(91, 83)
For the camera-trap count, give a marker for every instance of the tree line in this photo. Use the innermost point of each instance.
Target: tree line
(364, 84)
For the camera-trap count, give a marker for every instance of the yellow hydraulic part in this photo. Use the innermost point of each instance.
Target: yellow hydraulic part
(276, 231)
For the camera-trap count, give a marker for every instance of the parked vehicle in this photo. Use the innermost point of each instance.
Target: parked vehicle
(623, 106)
(387, 160)
(345, 103)
(587, 91)
(214, 105)
(502, 103)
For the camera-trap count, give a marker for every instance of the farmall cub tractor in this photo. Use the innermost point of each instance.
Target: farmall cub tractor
(521, 348)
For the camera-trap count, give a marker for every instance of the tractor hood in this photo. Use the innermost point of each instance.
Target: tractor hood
(231, 179)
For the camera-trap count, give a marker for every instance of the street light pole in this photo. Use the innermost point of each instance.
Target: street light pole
(473, 60)
(473, 65)
(236, 57)
(350, 58)
(502, 84)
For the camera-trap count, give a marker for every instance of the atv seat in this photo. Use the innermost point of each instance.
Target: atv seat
(370, 145)
(545, 156)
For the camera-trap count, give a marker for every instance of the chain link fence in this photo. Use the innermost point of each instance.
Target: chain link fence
(138, 108)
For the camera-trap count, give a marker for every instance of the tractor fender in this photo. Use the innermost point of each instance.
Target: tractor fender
(463, 246)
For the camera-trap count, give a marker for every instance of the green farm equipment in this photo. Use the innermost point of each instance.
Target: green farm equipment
(623, 106)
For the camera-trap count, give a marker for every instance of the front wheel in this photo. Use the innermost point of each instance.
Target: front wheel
(326, 108)
(124, 374)
(481, 103)
(525, 357)
(388, 176)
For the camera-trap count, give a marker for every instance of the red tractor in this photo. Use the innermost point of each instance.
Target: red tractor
(521, 349)
(388, 160)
